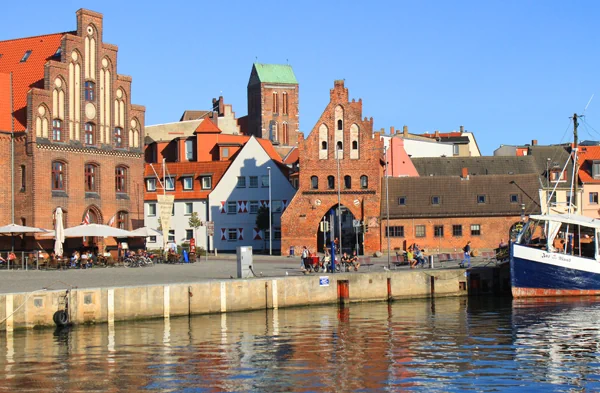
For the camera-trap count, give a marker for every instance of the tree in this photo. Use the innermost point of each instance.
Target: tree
(262, 222)
(195, 222)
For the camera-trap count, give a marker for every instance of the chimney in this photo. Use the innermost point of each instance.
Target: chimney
(534, 142)
(462, 129)
(392, 131)
(405, 131)
(437, 134)
(465, 173)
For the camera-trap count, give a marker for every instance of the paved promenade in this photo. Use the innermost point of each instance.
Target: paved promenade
(222, 267)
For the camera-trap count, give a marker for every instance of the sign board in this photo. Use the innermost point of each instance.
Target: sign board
(356, 223)
(165, 208)
(210, 228)
(324, 281)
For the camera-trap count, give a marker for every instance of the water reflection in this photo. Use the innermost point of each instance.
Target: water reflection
(450, 345)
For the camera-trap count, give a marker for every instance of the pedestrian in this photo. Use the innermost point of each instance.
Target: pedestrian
(304, 257)
(502, 244)
(336, 243)
(467, 256)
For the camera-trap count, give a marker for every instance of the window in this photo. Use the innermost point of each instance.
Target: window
(58, 180)
(188, 183)
(420, 231)
(340, 145)
(438, 231)
(151, 239)
(475, 230)
(232, 234)
(276, 233)
(569, 198)
(241, 182)
(89, 91)
(206, 182)
(122, 220)
(275, 103)
(25, 56)
(225, 153)
(324, 145)
(596, 169)
(231, 207)
(553, 199)
(347, 182)
(395, 231)
(435, 200)
(455, 150)
(89, 134)
(480, 198)
(514, 198)
(402, 201)
(354, 145)
(340, 125)
(189, 209)
(253, 207)
(189, 234)
(558, 176)
(253, 181)
(23, 178)
(330, 182)
(57, 130)
(314, 182)
(152, 209)
(118, 137)
(284, 98)
(364, 182)
(171, 236)
(169, 183)
(90, 177)
(189, 150)
(121, 179)
(457, 230)
(593, 198)
(150, 184)
(277, 206)
(264, 181)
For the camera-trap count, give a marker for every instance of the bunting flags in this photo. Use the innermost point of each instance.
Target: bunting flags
(111, 222)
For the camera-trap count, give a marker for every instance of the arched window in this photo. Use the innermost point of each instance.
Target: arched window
(339, 145)
(91, 176)
(122, 220)
(275, 103)
(324, 145)
(347, 182)
(314, 182)
(57, 130)
(58, 176)
(121, 179)
(340, 125)
(330, 182)
(23, 178)
(354, 145)
(89, 134)
(118, 137)
(364, 182)
(284, 97)
(90, 91)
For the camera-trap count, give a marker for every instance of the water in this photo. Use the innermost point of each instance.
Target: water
(450, 345)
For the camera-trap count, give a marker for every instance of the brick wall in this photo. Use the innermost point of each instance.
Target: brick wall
(300, 221)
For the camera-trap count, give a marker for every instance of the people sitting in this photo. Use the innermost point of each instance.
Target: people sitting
(410, 257)
(346, 261)
(419, 256)
(326, 261)
(75, 259)
(354, 261)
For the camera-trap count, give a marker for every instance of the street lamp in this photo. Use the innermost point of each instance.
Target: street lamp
(523, 212)
(270, 229)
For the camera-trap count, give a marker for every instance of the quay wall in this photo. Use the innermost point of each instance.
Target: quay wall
(101, 305)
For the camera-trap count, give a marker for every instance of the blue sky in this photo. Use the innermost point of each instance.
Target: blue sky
(509, 71)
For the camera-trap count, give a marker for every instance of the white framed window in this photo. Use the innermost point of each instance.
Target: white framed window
(253, 181)
(151, 239)
(188, 183)
(253, 207)
(206, 182)
(152, 209)
(232, 234)
(189, 208)
(241, 182)
(231, 207)
(264, 181)
(189, 150)
(225, 152)
(172, 236)
(277, 206)
(169, 183)
(455, 150)
(189, 234)
(151, 184)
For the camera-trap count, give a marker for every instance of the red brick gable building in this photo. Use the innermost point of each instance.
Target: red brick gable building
(78, 139)
(340, 133)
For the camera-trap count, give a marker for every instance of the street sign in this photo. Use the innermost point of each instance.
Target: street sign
(324, 281)
(324, 226)
(356, 223)
(210, 228)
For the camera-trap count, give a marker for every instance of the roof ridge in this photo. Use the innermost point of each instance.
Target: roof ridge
(37, 36)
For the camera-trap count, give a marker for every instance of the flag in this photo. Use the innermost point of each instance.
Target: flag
(86, 219)
(111, 222)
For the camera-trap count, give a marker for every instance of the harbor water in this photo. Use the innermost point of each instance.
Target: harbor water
(446, 345)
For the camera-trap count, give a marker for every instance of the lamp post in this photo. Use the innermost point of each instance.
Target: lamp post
(387, 205)
(270, 223)
(523, 212)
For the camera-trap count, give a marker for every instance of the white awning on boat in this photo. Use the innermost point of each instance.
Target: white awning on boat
(572, 219)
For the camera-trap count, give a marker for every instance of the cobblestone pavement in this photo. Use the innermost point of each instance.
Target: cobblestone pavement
(223, 267)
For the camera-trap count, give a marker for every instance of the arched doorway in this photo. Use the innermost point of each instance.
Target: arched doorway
(329, 228)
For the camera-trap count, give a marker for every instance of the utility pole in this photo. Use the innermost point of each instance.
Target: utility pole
(270, 214)
(339, 214)
(575, 169)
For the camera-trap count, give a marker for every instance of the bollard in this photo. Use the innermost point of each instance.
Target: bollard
(431, 261)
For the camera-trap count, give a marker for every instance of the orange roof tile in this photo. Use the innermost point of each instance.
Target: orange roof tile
(587, 154)
(5, 117)
(27, 74)
(207, 127)
(292, 157)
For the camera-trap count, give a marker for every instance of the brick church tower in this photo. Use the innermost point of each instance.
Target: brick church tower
(340, 142)
(273, 104)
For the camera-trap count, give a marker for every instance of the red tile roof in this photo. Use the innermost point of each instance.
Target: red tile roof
(292, 156)
(5, 117)
(207, 127)
(27, 74)
(587, 154)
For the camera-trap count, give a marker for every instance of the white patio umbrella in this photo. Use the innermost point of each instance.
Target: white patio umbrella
(59, 233)
(98, 230)
(14, 229)
(145, 231)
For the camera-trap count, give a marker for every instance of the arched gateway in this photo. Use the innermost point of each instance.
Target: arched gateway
(341, 165)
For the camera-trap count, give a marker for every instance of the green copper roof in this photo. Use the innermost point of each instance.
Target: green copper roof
(275, 73)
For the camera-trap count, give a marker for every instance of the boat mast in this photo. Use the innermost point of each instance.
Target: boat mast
(575, 171)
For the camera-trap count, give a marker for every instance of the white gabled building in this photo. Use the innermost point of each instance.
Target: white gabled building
(244, 187)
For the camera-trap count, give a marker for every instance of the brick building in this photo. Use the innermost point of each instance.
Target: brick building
(77, 137)
(341, 135)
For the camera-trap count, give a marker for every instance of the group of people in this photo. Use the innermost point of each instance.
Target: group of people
(414, 256)
(347, 262)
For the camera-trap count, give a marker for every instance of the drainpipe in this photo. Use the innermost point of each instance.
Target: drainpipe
(12, 153)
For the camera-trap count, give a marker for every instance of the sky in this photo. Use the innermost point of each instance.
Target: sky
(508, 71)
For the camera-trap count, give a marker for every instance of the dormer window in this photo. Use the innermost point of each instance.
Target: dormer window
(26, 56)
(558, 175)
(596, 169)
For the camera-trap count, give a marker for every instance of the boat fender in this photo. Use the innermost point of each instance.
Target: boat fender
(61, 318)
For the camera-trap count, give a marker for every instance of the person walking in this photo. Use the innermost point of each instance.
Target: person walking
(467, 256)
(304, 257)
